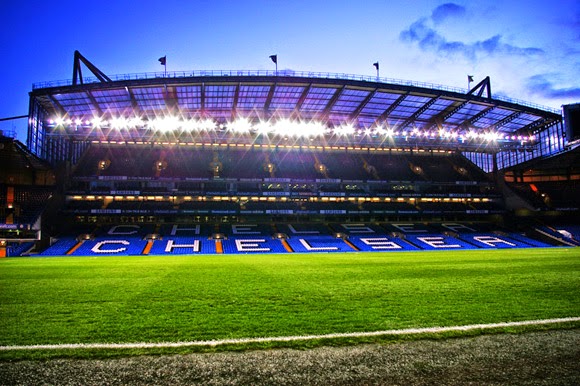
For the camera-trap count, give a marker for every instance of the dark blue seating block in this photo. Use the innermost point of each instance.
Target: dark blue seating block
(123, 231)
(17, 249)
(111, 246)
(410, 228)
(247, 230)
(437, 241)
(459, 227)
(256, 244)
(304, 230)
(60, 248)
(196, 230)
(358, 229)
(318, 244)
(491, 240)
(380, 243)
(527, 241)
(182, 245)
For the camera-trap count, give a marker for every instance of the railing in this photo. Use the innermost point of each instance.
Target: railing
(285, 73)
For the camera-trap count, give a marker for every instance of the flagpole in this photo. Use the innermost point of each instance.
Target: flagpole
(163, 61)
(274, 58)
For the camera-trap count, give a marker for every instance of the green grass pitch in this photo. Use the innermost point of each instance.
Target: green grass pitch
(203, 297)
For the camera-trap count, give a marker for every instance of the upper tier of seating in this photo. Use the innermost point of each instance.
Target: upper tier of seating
(547, 195)
(207, 163)
(22, 204)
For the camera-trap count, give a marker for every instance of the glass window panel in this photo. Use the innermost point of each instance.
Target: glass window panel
(149, 98)
(317, 98)
(435, 109)
(286, 97)
(189, 97)
(75, 104)
(115, 99)
(252, 97)
(379, 103)
(349, 100)
(219, 97)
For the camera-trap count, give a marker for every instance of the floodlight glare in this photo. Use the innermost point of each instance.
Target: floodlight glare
(164, 124)
(135, 122)
(345, 129)
(263, 128)
(96, 122)
(119, 123)
(241, 125)
(315, 129)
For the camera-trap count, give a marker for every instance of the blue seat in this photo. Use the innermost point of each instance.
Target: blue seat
(381, 243)
(491, 240)
(256, 244)
(111, 246)
(438, 241)
(60, 248)
(318, 244)
(182, 245)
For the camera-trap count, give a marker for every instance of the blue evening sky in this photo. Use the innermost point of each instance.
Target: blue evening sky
(529, 48)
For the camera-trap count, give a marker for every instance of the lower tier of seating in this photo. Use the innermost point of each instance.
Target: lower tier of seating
(173, 239)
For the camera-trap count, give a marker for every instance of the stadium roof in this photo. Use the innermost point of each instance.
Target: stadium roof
(333, 100)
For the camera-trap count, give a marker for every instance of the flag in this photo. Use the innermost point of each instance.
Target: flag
(163, 60)
(274, 58)
(376, 65)
(470, 78)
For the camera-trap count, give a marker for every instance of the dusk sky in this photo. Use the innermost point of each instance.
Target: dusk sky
(530, 49)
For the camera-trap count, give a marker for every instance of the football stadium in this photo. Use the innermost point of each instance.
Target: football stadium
(211, 208)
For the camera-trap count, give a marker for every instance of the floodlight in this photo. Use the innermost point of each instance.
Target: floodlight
(96, 122)
(315, 129)
(119, 123)
(345, 129)
(165, 124)
(263, 128)
(241, 125)
(208, 124)
(135, 122)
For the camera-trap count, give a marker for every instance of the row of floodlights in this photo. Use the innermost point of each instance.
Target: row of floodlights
(283, 127)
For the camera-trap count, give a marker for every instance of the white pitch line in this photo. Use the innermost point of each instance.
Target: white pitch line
(220, 342)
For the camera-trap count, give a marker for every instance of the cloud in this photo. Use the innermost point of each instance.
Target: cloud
(446, 11)
(542, 86)
(429, 39)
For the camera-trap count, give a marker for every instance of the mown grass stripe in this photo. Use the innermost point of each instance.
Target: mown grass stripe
(221, 342)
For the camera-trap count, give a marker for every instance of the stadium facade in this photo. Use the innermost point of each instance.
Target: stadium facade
(279, 148)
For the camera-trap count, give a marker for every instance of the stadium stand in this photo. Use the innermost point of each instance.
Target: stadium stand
(299, 171)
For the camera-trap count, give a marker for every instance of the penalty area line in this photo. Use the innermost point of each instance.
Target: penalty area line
(221, 342)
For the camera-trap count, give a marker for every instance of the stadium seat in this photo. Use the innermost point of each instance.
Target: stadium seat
(310, 244)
